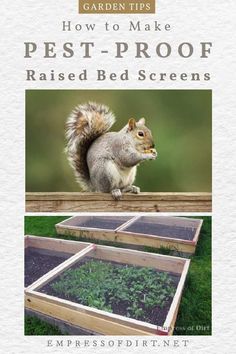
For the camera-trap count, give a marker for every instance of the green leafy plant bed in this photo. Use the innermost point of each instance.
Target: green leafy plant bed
(141, 293)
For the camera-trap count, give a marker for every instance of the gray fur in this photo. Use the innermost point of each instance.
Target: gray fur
(78, 142)
(105, 161)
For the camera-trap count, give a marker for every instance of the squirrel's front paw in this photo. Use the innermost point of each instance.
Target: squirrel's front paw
(151, 154)
(135, 190)
(116, 194)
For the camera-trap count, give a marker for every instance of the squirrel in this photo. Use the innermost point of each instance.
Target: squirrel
(106, 161)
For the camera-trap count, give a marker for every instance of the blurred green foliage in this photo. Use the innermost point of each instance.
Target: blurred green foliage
(180, 121)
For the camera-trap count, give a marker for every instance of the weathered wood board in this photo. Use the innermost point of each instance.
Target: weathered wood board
(143, 202)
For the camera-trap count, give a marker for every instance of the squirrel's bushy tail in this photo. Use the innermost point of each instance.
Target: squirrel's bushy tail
(85, 124)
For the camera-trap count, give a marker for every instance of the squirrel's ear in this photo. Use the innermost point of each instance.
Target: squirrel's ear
(131, 124)
(141, 121)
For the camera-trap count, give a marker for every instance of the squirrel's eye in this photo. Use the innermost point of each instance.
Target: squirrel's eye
(140, 133)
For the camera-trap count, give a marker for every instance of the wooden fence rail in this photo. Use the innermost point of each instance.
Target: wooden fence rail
(103, 202)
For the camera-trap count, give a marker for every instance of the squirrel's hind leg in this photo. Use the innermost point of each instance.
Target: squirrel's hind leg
(132, 189)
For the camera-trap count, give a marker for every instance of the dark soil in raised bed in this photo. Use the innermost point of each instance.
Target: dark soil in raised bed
(39, 261)
(100, 223)
(183, 233)
(155, 315)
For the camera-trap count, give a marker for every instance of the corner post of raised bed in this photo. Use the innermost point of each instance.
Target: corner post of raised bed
(162, 332)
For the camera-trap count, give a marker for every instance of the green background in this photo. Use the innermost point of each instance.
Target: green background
(180, 121)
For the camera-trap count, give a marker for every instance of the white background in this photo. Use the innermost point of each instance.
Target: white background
(192, 20)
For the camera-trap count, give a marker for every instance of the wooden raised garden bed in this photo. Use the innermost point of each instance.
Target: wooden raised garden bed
(176, 233)
(112, 291)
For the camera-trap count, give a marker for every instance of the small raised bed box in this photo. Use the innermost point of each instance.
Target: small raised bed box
(177, 233)
(93, 227)
(91, 290)
(42, 254)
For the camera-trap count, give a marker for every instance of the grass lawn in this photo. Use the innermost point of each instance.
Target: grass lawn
(194, 317)
(35, 327)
